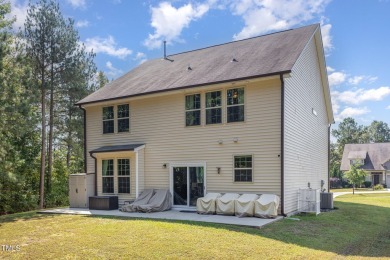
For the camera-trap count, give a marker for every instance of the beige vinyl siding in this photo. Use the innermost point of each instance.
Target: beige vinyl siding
(141, 172)
(159, 123)
(306, 135)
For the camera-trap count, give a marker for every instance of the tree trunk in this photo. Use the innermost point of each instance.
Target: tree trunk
(353, 189)
(43, 148)
(51, 126)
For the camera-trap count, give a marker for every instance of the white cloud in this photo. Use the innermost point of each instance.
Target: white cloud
(19, 11)
(336, 78)
(351, 112)
(82, 23)
(361, 95)
(77, 3)
(326, 37)
(388, 107)
(139, 55)
(269, 15)
(112, 71)
(330, 69)
(358, 79)
(107, 46)
(168, 22)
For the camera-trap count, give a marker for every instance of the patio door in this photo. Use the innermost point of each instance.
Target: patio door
(187, 184)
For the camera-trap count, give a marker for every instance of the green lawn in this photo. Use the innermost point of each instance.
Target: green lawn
(358, 228)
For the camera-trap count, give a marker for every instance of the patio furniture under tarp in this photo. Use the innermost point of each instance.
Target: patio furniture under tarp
(150, 201)
(225, 204)
(245, 205)
(206, 204)
(160, 201)
(267, 206)
(142, 199)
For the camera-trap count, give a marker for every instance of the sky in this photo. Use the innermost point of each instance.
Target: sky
(356, 36)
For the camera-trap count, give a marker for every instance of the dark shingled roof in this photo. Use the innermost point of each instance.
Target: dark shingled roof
(377, 155)
(255, 57)
(116, 148)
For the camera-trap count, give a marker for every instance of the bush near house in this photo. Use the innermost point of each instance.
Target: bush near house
(378, 187)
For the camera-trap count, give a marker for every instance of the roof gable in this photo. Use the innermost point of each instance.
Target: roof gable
(255, 57)
(377, 155)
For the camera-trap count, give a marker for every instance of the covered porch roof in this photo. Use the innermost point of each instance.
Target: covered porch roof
(117, 148)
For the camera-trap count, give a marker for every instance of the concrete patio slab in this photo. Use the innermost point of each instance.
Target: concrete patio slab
(168, 215)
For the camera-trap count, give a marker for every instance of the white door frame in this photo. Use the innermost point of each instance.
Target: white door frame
(186, 164)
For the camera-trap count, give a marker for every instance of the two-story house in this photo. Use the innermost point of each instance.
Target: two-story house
(249, 116)
(373, 158)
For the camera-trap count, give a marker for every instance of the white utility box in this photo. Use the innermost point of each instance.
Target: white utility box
(309, 201)
(81, 187)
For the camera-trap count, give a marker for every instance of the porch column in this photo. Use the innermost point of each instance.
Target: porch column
(139, 169)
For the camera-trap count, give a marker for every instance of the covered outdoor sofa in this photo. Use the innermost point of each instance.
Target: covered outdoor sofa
(150, 201)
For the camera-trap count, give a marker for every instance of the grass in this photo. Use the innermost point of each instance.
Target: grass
(358, 228)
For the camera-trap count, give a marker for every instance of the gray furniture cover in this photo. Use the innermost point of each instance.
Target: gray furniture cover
(160, 201)
(142, 199)
(206, 205)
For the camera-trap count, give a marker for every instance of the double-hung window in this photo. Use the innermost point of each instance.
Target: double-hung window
(213, 107)
(123, 118)
(123, 175)
(192, 110)
(108, 176)
(243, 167)
(235, 105)
(108, 120)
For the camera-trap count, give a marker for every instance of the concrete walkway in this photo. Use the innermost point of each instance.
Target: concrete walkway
(169, 215)
(336, 194)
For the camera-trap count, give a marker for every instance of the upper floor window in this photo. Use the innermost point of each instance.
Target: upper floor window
(213, 107)
(243, 168)
(123, 118)
(192, 110)
(357, 161)
(108, 120)
(235, 105)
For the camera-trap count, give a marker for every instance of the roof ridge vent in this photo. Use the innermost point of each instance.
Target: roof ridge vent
(189, 67)
(234, 60)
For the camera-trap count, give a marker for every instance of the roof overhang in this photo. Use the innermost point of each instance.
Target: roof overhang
(118, 148)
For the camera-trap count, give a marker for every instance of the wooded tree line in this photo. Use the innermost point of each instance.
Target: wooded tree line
(350, 132)
(44, 71)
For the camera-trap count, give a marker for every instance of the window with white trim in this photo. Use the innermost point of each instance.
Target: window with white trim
(123, 117)
(235, 105)
(213, 107)
(108, 176)
(108, 120)
(192, 106)
(243, 168)
(123, 175)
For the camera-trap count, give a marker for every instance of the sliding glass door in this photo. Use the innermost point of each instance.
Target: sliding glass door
(187, 185)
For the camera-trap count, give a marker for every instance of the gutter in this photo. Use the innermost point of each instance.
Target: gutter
(85, 137)
(185, 87)
(282, 145)
(91, 154)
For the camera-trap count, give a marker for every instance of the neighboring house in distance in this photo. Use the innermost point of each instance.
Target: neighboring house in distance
(248, 116)
(374, 157)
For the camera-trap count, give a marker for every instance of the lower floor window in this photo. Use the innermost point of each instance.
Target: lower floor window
(116, 175)
(243, 167)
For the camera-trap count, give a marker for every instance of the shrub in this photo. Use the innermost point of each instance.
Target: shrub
(378, 187)
(335, 183)
(367, 184)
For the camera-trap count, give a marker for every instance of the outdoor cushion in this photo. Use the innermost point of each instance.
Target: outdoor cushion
(142, 199)
(225, 204)
(245, 205)
(206, 205)
(267, 206)
(160, 201)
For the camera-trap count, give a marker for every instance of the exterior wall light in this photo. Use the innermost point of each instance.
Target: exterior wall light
(219, 170)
